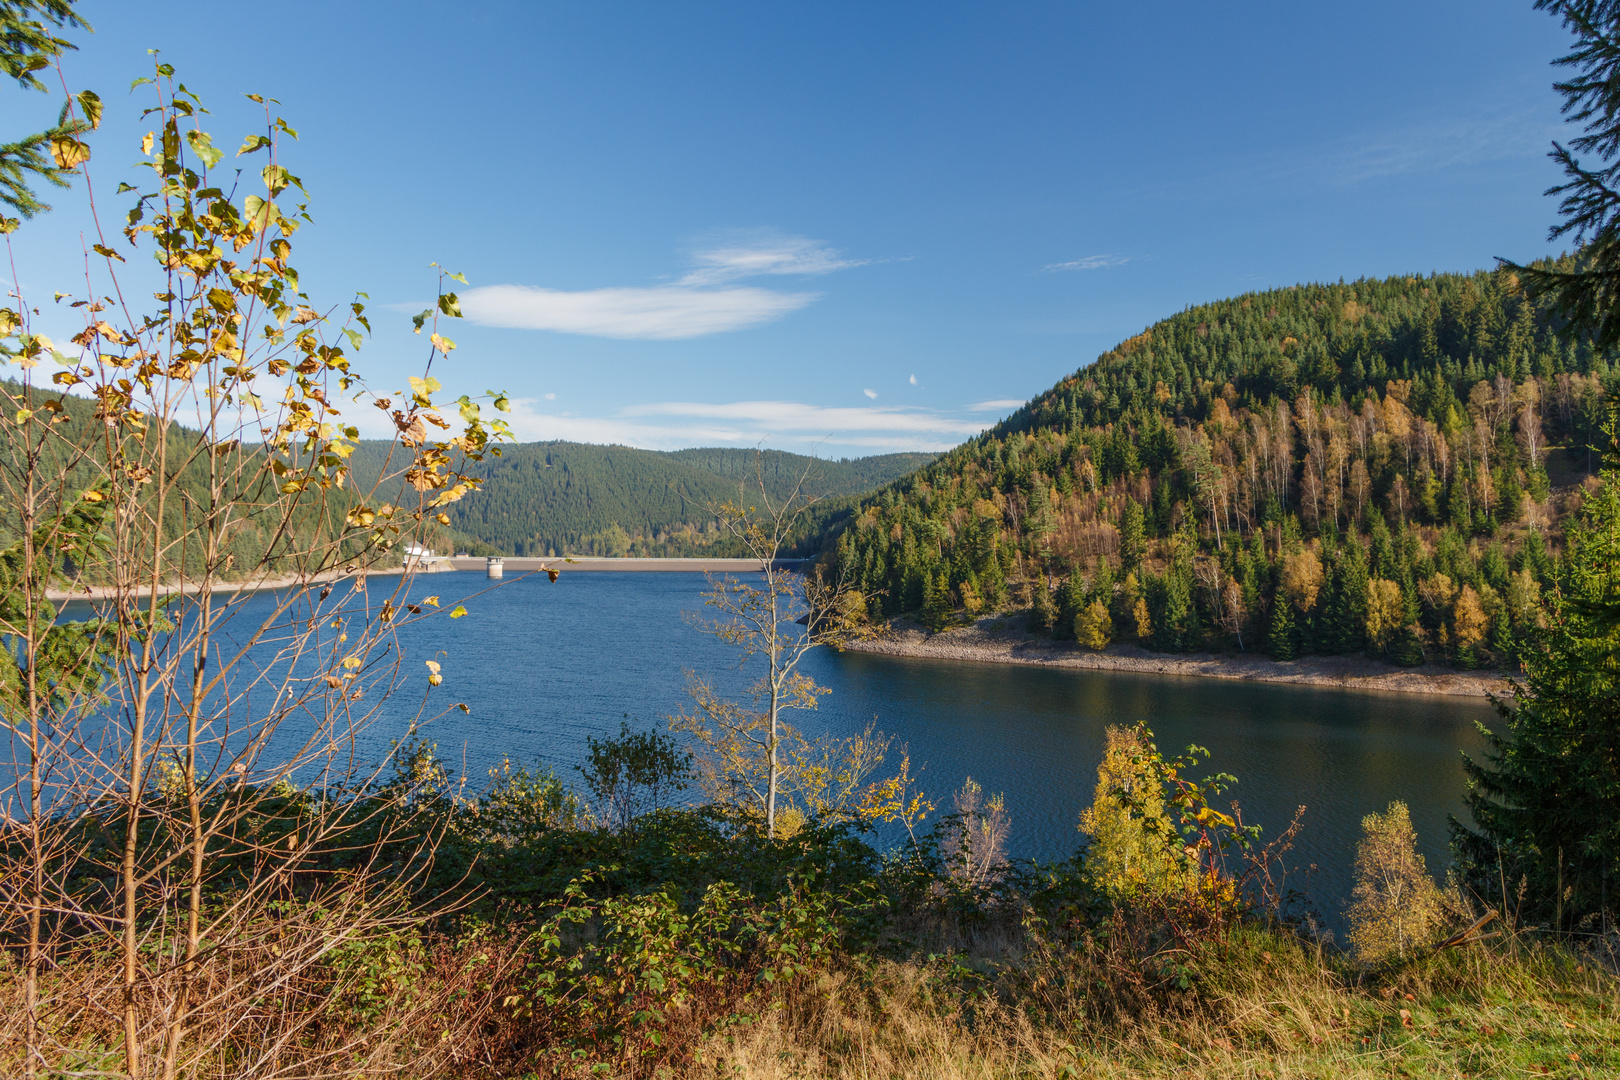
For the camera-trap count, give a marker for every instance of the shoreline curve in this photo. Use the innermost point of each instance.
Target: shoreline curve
(996, 640)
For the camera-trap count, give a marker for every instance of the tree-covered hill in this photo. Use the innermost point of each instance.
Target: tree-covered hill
(1378, 465)
(550, 498)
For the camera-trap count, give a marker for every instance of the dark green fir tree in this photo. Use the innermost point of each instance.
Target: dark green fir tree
(1545, 801)
(1280, 636)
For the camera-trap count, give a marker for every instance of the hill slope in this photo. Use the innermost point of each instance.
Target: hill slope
(574, 498)
(1376, 465)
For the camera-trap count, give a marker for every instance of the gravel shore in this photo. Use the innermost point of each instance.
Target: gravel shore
(1003, 640)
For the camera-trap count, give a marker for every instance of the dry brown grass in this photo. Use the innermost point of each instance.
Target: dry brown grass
(1262, 1006)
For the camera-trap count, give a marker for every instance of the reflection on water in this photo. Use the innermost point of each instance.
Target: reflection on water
(544, 665)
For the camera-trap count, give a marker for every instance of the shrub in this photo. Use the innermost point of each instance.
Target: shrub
(1396, 907)
(1132, 837)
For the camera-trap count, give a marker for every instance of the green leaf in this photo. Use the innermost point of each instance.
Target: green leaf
(253, 143)
(450, 304)
(459, 612)
(258, 212)
(203, 146)
(458, 277)
(106, 252)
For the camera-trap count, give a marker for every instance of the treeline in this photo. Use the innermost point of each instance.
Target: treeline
(1380, 465)
(266, 532)
(562, 498)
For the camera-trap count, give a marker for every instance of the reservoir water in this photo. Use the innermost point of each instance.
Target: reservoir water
(541, 666)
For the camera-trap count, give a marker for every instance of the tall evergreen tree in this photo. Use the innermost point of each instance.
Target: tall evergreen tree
(1546, 800)
(1132, 532)
(1280, 637)
(937, 609)
(1586, 295)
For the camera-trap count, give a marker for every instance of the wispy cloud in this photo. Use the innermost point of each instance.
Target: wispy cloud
(1089, 262)
(745, 253)
(670, 424)
(1423, 141)
(996, 405)
(1430, 144)
(703, 301)
(871, 394)
(662, 313)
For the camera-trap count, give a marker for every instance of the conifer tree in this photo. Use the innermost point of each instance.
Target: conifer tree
(1546, 799)
(28, 44)
(1344, 620)
(1132, 529)
(1585, 295)
(1041, 613)
(937, 609)
(1280, 643)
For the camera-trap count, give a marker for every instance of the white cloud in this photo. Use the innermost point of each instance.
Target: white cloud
(1089, 262)
(749, 253)
(550, 397)
(661, 313)
(914, 380)
(671, 424)
(701, 302)
(996, 405)
(870, 393)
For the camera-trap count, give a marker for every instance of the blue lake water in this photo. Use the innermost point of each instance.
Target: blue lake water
(542, 666)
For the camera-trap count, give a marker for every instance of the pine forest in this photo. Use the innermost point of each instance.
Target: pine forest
(1380, 466)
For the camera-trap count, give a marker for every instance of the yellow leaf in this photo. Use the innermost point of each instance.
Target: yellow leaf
(442, 519)
(434, 600)
(68, 152)
(433, 666)
(351, 662)
(459, 612)
(435, 680)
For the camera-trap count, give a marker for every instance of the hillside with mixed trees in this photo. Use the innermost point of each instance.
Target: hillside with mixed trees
(1380, 466)
(564, 498)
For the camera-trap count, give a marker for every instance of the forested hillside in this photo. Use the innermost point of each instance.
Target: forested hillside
(1380, 465)
(559, 498)
(264, 529)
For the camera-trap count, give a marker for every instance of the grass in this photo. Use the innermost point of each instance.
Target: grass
(1260, 1005)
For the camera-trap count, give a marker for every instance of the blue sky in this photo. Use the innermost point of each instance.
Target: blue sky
(852, 228)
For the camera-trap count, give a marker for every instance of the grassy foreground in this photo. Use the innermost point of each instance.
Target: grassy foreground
(1265, 1005)
(688, 945)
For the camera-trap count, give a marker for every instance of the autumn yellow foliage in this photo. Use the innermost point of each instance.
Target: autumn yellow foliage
(1093, 627)
(1396, 907)
(1133, 840)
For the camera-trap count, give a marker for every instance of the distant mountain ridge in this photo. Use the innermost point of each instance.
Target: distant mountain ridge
(555, 498)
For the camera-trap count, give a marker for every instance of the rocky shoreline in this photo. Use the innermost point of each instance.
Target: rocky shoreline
(1003, 640)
